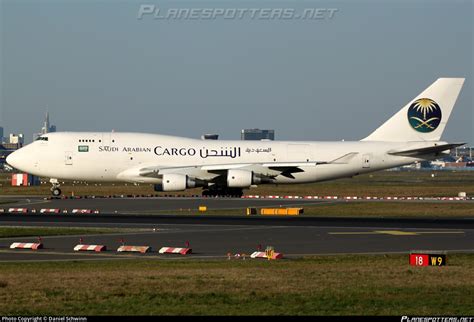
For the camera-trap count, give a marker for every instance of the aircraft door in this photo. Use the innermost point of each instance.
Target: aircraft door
(106, 139)
(104, 156)
(68, 157)
(366, 161)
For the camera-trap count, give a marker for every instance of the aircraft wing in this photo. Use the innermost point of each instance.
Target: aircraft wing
(268, 169)
(207, 172)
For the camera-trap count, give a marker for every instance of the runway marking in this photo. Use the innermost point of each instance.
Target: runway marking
(441, 232)
(353, 233)
(396, 232)
(393, 232)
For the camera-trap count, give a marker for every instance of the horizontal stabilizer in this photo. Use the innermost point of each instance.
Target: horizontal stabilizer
(424, 151)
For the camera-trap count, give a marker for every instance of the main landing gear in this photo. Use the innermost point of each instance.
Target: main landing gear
(222, 192)
(56, 192)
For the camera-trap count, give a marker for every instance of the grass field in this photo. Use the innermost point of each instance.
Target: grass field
(326, 285)
(383, 183)
(392, 209)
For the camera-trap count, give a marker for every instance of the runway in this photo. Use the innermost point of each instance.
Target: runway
(156, 205)
(152, 205)
(213, 237)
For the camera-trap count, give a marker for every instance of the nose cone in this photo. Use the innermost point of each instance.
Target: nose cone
(11, 158)
(17, 160)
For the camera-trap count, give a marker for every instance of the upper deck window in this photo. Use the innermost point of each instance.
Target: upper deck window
(42, 138)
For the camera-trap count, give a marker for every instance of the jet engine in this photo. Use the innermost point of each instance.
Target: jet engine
(242, 178)
(178, 182)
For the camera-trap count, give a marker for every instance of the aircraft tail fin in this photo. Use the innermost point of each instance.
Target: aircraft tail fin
(423, 118)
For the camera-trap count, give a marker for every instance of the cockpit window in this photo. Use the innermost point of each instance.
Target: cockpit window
(42, 138)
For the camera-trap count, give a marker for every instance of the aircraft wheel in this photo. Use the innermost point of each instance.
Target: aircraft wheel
(56, 192)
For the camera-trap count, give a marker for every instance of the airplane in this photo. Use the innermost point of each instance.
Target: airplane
(224, 167)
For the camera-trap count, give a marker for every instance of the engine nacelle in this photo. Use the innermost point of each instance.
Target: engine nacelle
(178, 182)
(242, 178)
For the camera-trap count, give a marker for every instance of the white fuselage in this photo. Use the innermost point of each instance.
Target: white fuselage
(121, 157)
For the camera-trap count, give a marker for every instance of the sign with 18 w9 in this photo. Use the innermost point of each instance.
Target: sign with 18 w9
(424, 259)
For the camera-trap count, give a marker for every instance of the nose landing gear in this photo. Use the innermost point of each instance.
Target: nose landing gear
(55, 188)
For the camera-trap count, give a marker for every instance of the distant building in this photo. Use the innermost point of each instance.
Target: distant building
(210, 137)
(257, 134)
(6, 149)
(463, 151)
(16, 139)
(11, 146)
(47, 128)
(1, 135)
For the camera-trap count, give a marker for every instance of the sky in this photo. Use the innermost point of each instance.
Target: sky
(97, 67)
